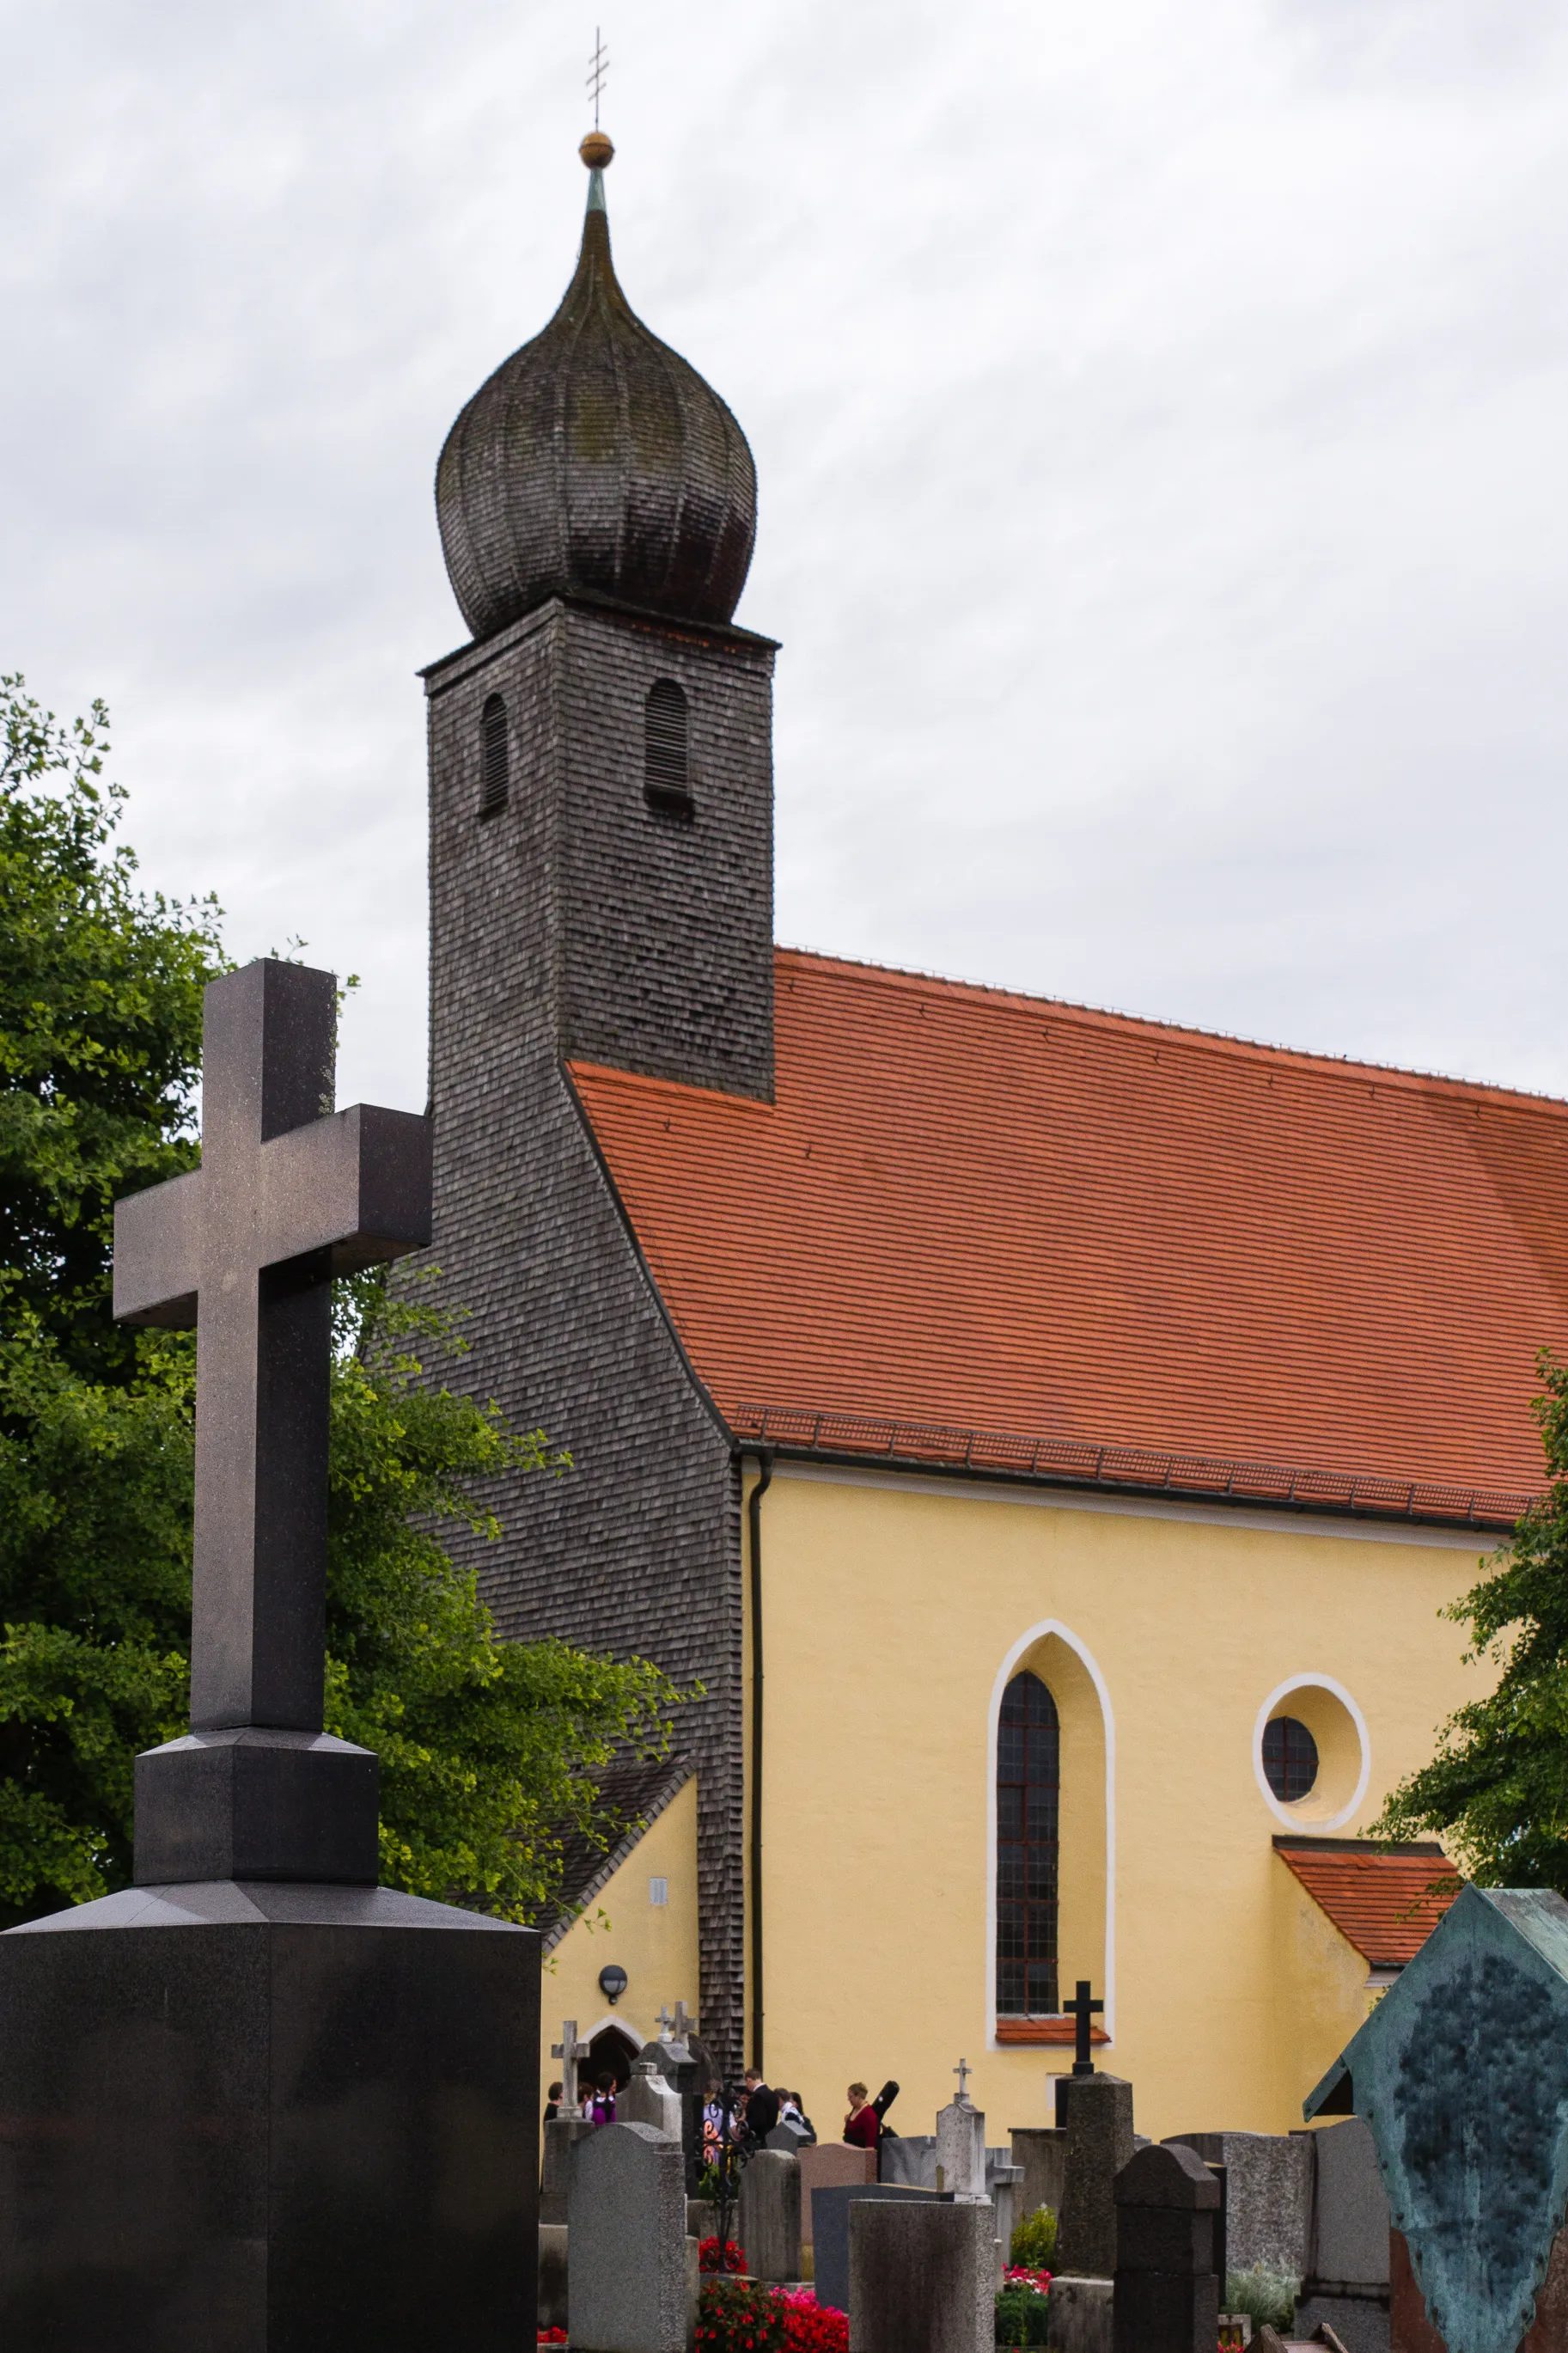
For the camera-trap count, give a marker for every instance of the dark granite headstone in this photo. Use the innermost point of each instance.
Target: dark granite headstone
(1099, 2142)
(257, 2101)
(1167, 2282)
(921, 2277)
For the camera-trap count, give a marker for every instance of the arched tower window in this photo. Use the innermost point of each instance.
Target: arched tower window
(1028, 1795)
(666, 767)
(495, 757)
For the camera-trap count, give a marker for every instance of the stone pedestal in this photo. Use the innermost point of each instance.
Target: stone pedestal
(240, 2118)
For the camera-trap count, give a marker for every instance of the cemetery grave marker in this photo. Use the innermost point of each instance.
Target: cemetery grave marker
(248, 2097)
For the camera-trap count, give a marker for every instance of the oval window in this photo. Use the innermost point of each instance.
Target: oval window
(1289, 1758)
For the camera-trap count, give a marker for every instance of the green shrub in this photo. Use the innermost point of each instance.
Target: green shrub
(1023, 2315)
(1265, 2295)
(1035, 2240)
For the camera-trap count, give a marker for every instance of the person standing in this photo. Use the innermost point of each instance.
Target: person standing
(552, 2108)
(762, 2107)
(862, 2126)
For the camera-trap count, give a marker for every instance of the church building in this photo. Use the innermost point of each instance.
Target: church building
(1050, 1438)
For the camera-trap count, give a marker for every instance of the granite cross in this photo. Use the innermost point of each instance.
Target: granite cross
(665, 2022)
(288, 1195)
(684, 2026)
(569, 2050)
(1082, 2010)
(964, 2072)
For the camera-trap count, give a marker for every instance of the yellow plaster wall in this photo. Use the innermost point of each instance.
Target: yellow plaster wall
(888, 1612)
(655, 1944)
(1321, 1994)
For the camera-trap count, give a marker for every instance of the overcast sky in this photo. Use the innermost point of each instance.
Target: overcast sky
(1160, 413)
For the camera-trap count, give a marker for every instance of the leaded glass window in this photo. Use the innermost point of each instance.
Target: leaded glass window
(1028, 1794)
(1289, 1758)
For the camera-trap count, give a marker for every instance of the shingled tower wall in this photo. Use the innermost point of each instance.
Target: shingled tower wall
(576, 921)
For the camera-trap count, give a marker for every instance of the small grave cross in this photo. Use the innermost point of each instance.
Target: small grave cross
(684, 2025)
(964, 2072)
(569, 2050)
(664, 2022)
(1082, 2010)
(289, 1194)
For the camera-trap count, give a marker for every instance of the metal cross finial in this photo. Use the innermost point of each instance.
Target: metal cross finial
(569, 2050)
(598, 71)
(964, 2072)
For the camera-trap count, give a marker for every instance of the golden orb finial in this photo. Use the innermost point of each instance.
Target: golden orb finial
(596, 150)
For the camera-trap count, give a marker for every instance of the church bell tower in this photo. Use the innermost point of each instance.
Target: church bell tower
(601, 892)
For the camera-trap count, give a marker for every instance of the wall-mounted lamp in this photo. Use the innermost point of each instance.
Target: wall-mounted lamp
(612, 1982)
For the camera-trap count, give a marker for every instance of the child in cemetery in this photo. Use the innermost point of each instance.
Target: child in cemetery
(552, 2105)
(602, 2107)
(862, 2126)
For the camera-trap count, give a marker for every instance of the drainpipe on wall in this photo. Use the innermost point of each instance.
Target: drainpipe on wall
(755, 1510)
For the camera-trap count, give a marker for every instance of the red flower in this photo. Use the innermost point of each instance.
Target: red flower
(707, 2256)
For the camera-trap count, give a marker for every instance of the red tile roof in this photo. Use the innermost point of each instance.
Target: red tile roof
(1381, 1902)
(973, 1212)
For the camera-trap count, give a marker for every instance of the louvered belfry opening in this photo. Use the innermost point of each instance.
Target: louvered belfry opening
(495, 759)
(1028, 1795)
(666, 767)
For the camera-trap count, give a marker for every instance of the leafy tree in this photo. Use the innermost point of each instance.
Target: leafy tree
(1497, 1790)
(489, 1750)
(100, 1029)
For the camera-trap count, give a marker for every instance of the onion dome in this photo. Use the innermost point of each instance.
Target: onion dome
(596, 463)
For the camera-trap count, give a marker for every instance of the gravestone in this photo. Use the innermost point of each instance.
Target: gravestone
(831, 2275)
(921, 2277)
(553, 2276)
(1460, 2074)
(910, 2160)
(561, 2135)
(769, 2222)
(1041, 2152)
(1099, 2142)
(684, 2064)
(1082, 2314)
(626, 2236)
(1167, 2284)
(831, 2165)
(651, 2098)
(1268, 2195)
(789, 2136)
(1002, 2180)
(961, 2144)
(1347, 2280)
(248, 2099)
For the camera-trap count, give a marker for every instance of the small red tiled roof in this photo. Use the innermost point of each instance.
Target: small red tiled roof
(977, 1212)
(1381, 1902)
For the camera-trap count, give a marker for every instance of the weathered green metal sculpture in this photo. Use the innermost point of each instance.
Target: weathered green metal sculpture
(1461, 2073)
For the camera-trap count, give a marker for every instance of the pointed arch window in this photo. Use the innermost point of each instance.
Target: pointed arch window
(495, 757)
(1028, 1800)
(667, 763)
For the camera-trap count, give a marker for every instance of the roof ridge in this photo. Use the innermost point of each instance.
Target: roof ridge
(1330, 1065)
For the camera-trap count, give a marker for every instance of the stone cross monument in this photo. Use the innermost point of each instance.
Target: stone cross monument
(248, 2099)
(288, 1195)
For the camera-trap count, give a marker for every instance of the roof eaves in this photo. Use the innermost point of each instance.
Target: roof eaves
(813, 1434)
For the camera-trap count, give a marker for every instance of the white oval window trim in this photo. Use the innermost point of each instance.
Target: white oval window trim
(1285, 1814)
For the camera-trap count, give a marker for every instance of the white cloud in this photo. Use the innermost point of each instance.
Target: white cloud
(1160, 421)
